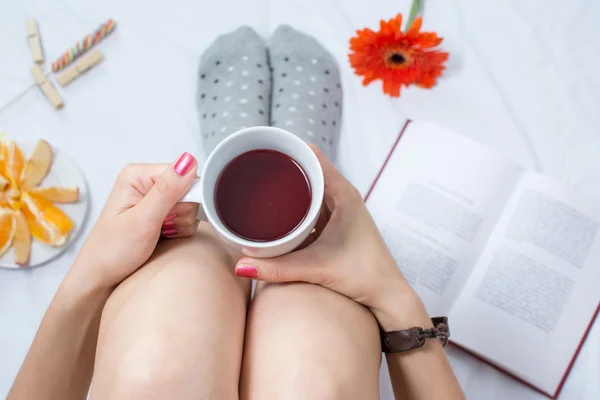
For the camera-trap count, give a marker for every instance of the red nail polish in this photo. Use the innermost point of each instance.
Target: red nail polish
(171, 217)
(246, 271)
(168, 224)
(184, 164)
(169, 231)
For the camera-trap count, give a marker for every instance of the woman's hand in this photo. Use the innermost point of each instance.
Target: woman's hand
(349, 256)
(141, 207)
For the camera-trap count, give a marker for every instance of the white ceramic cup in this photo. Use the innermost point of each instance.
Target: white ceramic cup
(245, 140)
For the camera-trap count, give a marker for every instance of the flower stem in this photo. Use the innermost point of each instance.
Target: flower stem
(414, 10)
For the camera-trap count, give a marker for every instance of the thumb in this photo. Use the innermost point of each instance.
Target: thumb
(168, 189)
(294, 267)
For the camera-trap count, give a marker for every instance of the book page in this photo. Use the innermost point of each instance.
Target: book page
(536, 286)
(436, 203)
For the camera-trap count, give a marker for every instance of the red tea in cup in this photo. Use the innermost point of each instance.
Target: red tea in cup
(262, 195)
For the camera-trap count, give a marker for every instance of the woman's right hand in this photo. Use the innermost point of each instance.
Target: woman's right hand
(349, 256)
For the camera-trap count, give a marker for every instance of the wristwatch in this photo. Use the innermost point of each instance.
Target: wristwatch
(414, 338)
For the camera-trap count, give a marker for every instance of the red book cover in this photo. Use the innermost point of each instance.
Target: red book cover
(579, 346)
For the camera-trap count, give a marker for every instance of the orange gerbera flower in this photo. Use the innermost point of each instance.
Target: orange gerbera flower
(397, 58)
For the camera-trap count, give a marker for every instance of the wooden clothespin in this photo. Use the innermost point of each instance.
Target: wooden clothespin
(35, 41)
(86, 63)
(47, 87)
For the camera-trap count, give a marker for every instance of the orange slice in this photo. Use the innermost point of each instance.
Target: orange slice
(14, 204)
(57, 194)
(4, 201)
(8, 202)
(14, 162)
(4, 182)
(7, 230)
(22, 239)
(2, 151)
(38, 165)
(48, 223)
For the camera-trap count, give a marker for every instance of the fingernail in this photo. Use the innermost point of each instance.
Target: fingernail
(246, 271)
(169, 231)
(171, 217)
(184, 164)
(168, 224)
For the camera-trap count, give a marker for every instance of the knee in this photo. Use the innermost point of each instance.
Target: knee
(143, 367)
(314, 383)
(147, 371)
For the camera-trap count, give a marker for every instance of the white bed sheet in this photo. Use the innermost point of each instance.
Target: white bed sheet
(522, 79)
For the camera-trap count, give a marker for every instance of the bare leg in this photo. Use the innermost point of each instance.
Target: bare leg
(175, 328)
(306, 342)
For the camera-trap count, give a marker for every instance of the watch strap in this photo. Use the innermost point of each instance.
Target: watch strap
(414, 338)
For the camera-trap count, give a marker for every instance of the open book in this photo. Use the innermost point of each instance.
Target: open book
(511, 256)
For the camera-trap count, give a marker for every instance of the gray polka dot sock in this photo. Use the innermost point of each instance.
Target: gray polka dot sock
(307, 92)
(234, 86)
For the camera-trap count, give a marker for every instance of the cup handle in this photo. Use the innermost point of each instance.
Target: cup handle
(194, 195)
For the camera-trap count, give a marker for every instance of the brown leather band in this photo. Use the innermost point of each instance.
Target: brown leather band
(413, 338)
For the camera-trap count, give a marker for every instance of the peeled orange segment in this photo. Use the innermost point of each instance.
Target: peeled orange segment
(48, 223)
(13, 192)
(14, 162)
(4, 182)
(2, 152)
(38, 165)
(57, 194)
(22, 239)
(14, 204)
(4, 200)
(7, 201)
(7, 230)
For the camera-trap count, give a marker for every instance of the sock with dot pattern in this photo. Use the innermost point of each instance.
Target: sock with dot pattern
(307, 92)
(234, 87)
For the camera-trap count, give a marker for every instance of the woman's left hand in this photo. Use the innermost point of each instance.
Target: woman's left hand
(142, 207)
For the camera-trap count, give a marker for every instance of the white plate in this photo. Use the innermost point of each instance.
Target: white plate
(66, 173)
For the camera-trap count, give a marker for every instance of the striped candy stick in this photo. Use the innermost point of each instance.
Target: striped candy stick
(68, 57)
(83, 46)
